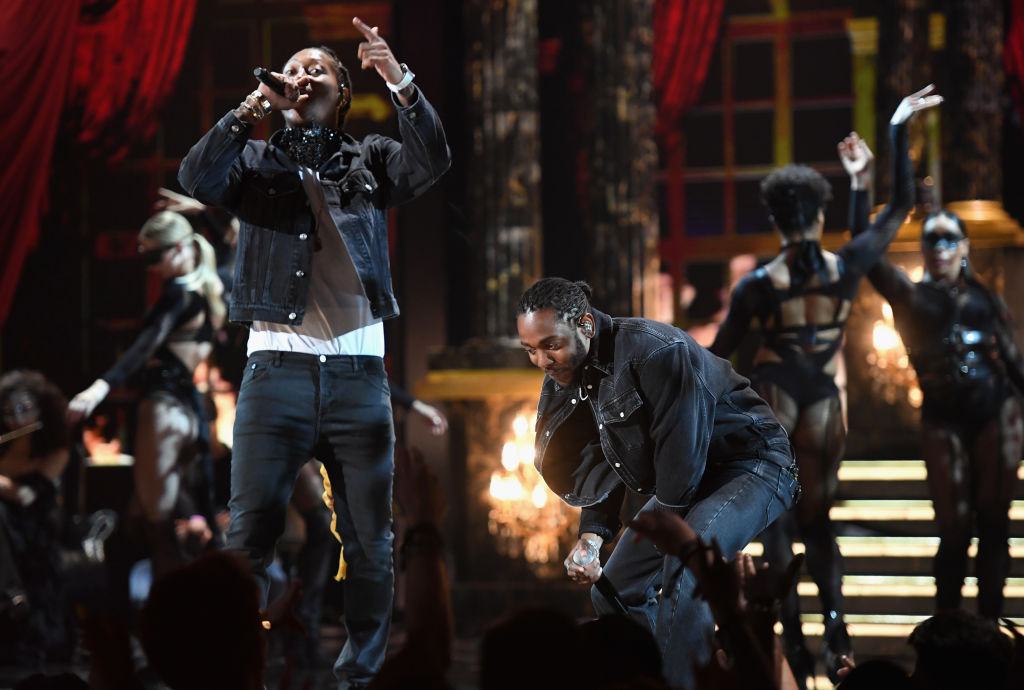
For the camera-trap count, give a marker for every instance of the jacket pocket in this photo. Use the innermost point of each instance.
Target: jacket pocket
(624, 421)
(620, 409)
(273, 199)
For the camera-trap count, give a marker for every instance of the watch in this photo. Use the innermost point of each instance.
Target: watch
(407, 77)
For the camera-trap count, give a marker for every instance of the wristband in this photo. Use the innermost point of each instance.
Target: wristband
(407, 78)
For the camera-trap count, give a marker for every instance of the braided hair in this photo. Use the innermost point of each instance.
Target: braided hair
(570, 300)
(344, 83)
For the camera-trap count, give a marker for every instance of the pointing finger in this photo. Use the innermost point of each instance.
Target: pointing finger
(369, 32)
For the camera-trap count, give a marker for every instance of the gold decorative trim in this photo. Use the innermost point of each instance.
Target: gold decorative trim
(479, 384)
(988, 226)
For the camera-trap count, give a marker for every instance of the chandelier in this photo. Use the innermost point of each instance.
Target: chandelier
(892, 377)
(526, 519)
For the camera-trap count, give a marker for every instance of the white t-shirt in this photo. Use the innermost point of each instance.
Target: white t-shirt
(338, 318)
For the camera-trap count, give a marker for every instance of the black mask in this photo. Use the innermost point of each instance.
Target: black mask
(151, 257)
(310, 145)
(935, 240)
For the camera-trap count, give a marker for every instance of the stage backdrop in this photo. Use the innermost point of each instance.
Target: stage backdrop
(100, 67)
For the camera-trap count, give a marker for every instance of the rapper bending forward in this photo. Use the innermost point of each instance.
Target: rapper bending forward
(633, 403)
(313, 283)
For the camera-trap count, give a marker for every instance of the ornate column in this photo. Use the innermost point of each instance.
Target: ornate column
(507, 533)
(504, 180)
(973, 111)
(904, 65)
(619, 157)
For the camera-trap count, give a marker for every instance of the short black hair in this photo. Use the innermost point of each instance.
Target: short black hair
(794, 194)
(959, 649)
(570, 300)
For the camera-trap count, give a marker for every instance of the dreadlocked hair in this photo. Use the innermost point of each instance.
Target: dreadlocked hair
(794, 194)
(570, 300)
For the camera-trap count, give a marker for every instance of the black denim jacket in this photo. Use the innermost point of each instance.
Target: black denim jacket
(260, 184)
(651, 411)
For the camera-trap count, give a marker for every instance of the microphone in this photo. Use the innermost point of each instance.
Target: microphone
(264, 75)
(603, 584)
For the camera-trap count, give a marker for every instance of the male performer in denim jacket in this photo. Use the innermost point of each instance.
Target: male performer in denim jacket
(631, 403)
(313, 283)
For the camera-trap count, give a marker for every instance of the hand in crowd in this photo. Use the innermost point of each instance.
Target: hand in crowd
(418, 490)
(915, 102)
(666, 530)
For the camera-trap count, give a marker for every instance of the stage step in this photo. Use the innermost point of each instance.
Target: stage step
(888, 538)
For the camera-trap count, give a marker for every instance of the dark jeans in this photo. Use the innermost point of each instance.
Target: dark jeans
(735, 502)
(292, 407)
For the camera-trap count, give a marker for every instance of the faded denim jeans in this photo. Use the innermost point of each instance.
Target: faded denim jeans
(736, 500)
(292, 407)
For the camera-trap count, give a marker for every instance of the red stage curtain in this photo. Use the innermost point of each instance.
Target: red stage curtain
(112, 61)
(1013, 54)
(685, 32)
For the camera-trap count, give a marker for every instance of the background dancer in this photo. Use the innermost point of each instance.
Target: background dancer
(800, 301)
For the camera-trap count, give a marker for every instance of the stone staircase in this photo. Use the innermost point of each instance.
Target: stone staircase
(888, 538)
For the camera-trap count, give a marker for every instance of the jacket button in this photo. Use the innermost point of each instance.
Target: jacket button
(369, 187)
(235, 128)
(303, 236)
(618, 464)
(547, 433)
(300, 273)
(292, 316)
(323, 358)
(600, 426)
(622, 414)
(573, 401)
(589, 386)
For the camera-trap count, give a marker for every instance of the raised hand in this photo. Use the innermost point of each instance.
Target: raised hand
(83, 404)
(919, 100)
(857, 160)
(374, 52)
(666, 530)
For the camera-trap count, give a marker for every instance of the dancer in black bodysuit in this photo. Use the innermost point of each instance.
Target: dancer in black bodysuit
(959, 340)
(176, 336)
(801, 300)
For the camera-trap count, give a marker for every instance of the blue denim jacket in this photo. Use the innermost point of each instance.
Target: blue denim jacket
(651, 411)
(260, 184)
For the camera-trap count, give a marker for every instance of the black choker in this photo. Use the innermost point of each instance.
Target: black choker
(311, 145)
(808, 261)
